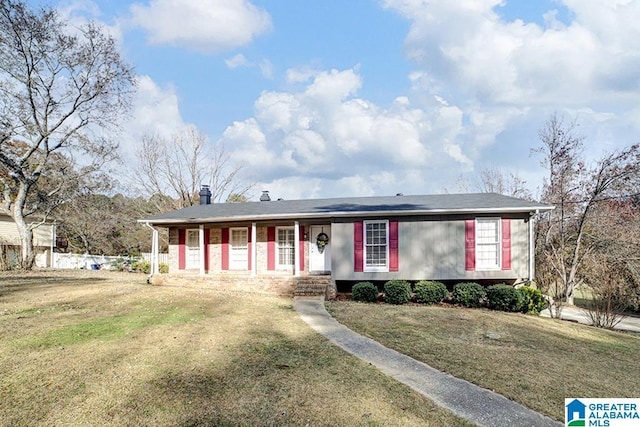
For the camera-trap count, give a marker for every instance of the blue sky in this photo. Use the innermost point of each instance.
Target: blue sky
(328, 98)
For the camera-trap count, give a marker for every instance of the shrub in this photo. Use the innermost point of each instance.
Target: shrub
(364, 291)
(142, 266)
(504, 298)
(163, 268)
(469, 294)
(397, 292)
(430, 292)
(533, 301)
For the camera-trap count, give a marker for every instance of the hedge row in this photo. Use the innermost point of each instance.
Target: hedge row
(497, 297)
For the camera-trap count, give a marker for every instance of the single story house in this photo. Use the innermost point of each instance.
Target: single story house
(44, 239)
(446, 237)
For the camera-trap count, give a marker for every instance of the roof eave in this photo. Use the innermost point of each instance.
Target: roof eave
(342, 214)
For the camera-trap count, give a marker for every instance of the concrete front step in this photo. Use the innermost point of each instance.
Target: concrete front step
(312, 286)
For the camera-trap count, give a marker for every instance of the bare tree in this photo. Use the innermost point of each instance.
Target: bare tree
(576, 190)
(58, 87)
(493, 180)
(172, 170)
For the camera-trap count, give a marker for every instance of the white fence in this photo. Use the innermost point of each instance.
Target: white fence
(95, 262)
(162, 258)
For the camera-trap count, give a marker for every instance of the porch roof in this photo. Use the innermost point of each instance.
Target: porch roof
(437, 204)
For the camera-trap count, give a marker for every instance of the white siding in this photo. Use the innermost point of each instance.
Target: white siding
(9, 233)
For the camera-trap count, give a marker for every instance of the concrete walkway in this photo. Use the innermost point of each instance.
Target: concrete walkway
(476, 404)
(628, 323)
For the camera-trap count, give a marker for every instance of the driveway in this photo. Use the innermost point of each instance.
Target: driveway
(575, 314)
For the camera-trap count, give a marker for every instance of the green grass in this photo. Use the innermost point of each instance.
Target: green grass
(536, 361)
(108, 328)
(111, 350)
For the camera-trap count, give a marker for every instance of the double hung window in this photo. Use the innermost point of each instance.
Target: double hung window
(376, 245)
(488, 243)
(285, 246)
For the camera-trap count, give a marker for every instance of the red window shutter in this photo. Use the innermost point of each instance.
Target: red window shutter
(207, 239)
(301, 247)
(224, 240)
(470, 244)
(506, 244)
(393, 246)
(358, 247)
(271, 248)
(249, 248)
(182, 256)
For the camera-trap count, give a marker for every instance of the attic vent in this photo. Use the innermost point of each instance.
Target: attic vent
(265, 197)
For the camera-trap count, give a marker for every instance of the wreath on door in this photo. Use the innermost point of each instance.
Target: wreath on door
(322, 240)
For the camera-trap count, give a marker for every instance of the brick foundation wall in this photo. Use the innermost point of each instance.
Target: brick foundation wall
(288, 286)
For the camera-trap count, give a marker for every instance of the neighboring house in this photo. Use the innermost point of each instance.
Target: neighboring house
(450, 237)
(44, 236)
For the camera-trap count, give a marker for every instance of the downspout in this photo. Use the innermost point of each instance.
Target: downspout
(154, 251)
(254, 248)
(53, 242)
(532, 250)
(296, 248)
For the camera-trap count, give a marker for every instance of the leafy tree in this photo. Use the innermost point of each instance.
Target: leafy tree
(60, 88)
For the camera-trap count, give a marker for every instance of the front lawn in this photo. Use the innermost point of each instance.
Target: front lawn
(94, 348)
(536, 361)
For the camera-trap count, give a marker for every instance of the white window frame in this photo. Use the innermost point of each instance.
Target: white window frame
(238, 254)
(192, 251)
(484, 245)
(365, 243)
(285, 246)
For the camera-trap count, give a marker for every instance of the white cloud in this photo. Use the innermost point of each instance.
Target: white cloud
(155, 111)
(467, 44)
(239, 60)
(236, 61)
(202, 25)
(342, 144)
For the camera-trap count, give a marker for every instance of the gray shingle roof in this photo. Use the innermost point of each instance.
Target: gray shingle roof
(348, 207)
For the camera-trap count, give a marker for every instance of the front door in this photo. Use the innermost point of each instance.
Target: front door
(320, 255)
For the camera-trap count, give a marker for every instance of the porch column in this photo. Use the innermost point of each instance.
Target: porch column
(201, 245)
(254, 248)
(296, 248)
(154, 252)
(53, 244)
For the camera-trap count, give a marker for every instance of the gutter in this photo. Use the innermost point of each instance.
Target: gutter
(342, 214)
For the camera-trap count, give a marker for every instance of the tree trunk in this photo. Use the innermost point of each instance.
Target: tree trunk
(27, 254)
